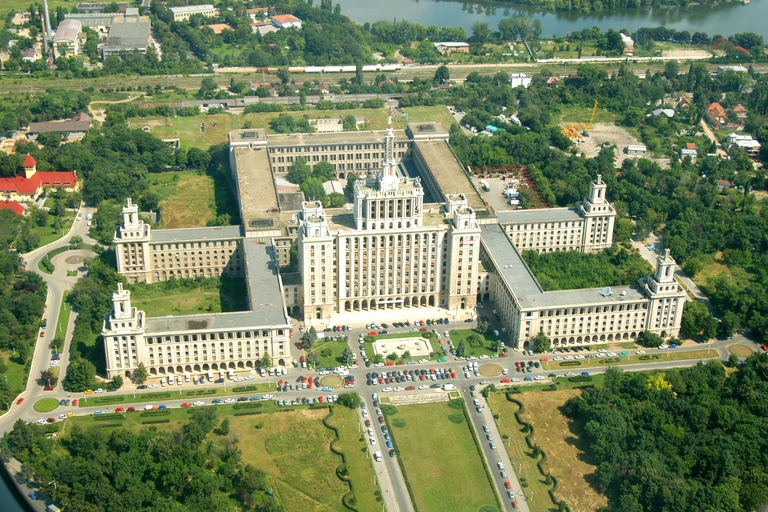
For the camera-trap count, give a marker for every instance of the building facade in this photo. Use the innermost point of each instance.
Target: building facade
(183, 12)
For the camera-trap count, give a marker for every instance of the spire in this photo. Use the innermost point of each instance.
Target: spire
(388, 179)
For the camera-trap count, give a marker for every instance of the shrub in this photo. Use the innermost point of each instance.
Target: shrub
(398, 422)
(456, 403)
(456, 417)
(388, 410)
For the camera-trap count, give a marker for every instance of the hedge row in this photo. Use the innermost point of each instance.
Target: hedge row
(530, 443)
(247, 413)
(109, 425)
(570, 363)
(346, 500)
(249, 405)
(153, 422)
(164, 412)
(109, 417)
(580, 378)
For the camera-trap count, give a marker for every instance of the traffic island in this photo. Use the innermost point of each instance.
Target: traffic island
(46, 405)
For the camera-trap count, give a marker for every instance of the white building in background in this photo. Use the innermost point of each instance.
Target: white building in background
(519, 79)
(185, 11)
(67, 34)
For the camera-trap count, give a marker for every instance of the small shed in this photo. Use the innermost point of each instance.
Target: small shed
(636, 149)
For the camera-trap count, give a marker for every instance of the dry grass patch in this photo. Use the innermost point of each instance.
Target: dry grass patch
(490, 370)
(560, 438)
(191, 204)
(740, 350)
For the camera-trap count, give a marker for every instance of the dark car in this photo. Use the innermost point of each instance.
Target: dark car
(242, 399)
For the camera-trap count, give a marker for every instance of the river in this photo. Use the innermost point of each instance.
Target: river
(726, 19)
(10, 498)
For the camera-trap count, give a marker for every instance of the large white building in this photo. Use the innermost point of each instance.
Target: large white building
(183, 12)
(417, 234)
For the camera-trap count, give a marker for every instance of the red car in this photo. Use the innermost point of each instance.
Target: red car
(51, 420)
(544, 359)
(423, 329)
(514, 504)
(74, 402)
(400, 363)
(504, 381)
(507, 485)
(42, 333)
(503, 355)
(280, 383)
(389, 363)
(764, 347)
(130, 409)
(119, 409)
(48, 388)
(19, 401)
(186, 404)
(381, 419)
(372, 333)
(367, 423)
(410, 388)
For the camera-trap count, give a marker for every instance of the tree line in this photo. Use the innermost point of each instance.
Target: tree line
(684, 439)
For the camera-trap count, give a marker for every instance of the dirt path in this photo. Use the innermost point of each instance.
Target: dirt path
(711, 136)
(100, 114)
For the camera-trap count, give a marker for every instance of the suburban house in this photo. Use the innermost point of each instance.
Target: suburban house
(447, 47)
(29, 185)
(74, 128)
(690, 151)
(636, 149)
(743, 143)
(716, 115)
(735, 69)
(681, 101)
(740, 111)
(258, 12)
(553, 80)
(723, 184)
(519, 79)
(666, 112)
(286, 21)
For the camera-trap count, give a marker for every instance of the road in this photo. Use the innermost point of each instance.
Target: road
(493, 457)
(390, 477)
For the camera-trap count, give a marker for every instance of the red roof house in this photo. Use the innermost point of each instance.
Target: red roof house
(13, 206)
(29, 186)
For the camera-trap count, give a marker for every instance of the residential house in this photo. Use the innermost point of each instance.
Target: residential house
(666, 112)
(716, 115)
(735, 69)
(286, 21)
(258, 13)
(553, 80)
(689, 151)
(723, 184)
(743, 143)
(29, 55)
(681, 101)
(629, 43)
(263, 27)
(740, 111)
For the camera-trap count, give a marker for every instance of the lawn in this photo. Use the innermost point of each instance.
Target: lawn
(433, 341)
(440, 460)
(188, 129)
(650, 356)
(191, 198)
(16, 371)
(92, 348)
(176, 393)
(48, 232)
(293, 448)
(438, 113)
(359, 465)
(577, 114)
(63, 320)
(559, 437)
(714, 265)
(46, 405)
(484, 348)
(330, 352)
(219, 295)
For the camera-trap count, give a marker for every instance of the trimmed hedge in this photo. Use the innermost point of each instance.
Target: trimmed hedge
(570, 363)
(531, 444)
(163, 412)
(247, 413)
(580, 378)
(346, 500)
(153, 422)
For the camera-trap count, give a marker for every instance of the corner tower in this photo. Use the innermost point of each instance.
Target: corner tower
(665, 310)
(132, 246)
(123, 333)
(599, 217)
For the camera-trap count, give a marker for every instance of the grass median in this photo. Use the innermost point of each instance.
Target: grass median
(440, 459)
(651, 356)
(107, 398)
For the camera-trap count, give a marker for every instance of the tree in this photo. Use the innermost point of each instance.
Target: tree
(299, 172)
(519, 27)
(208, 88)
(482, 326)
(81, 375)
(313, 190)
(266, 361)
(48, 377)
(614, 42)
(116, 383)
(347, 355)
(351, 400)
(49, 139)
(671, 69)
(140, 374)
(312, 358)
(698, 321)
(649, 339)
(733, 361)
(442, 74)
(462, 348)
(323, 171)
(309, 338)
(541, 343)
(728, 323)
(283, 74)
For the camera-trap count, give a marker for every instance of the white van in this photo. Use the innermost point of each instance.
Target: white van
(210, 375)
(186, 377)
(496, 333)
(171, 380)
(271, 372)
(377, 456)
(221, 374)
(231, 374)
(194, 379)
(263, 372)
(162, 381)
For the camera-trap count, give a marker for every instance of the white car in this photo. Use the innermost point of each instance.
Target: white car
(663, 347)
(539, 377)
(54, 364)
(62, 416)
(41, 421)
(323, 372)
(373, 442)
(579, 356)
(641, 351)
(558, 358)
(249, 377)
(423, 386)
(568, 358)
(423, 361)
(602, 350)
(152, 386)
(515, 379)
(484, 356)
(612, 354)
(386, 390)
(266, 397)
(98, 390)
(199, 403)
(601, 355)
(399, 388)
(379, 364)
(229, 401)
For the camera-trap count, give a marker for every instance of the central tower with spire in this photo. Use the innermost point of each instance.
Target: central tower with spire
(388, 201)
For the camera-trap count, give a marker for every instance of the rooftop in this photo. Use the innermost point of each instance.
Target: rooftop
(129, 35)
(540, 215)
(191, 8)
(309, 139)
(448, 172)
(256, 189)
(67, 31)
(196, 234)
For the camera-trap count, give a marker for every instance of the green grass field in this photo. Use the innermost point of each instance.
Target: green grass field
(46, 405)
(330, 352)
(175, 393)
(485, 349)
(441, 461)
(63, 320)
(359, 465)
(434, 343)
(16, 371)
(219, 295)
(48, 233)
(217, 128)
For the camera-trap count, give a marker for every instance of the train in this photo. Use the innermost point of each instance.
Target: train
(335, 69)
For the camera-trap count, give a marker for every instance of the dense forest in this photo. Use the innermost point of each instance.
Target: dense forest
(683, 440)
(181, 470)
(22, 302)
(570, 270)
